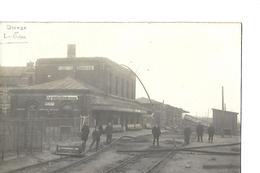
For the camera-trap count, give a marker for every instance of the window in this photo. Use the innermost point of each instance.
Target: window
(127, 89)
(116, 85)
(110, 83)
(122, 87)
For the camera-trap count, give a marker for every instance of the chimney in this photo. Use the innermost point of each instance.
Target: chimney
(71, 51)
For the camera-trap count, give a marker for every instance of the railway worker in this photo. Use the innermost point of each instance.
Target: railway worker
(200, 131)
(187, 134)
(156, 134)
(101, 129)
(84, 135)
(211, 132)
(109, 131)
(95, 138)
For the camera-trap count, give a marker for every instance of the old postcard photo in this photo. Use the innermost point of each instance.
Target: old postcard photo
(102, 97)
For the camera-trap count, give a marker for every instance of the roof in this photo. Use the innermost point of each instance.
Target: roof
(114, 104)
(67, 83)
(81, 59)
(224, 111)
(12, 71)
(143, 100)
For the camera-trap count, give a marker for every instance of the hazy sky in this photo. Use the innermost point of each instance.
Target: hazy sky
(184, 64)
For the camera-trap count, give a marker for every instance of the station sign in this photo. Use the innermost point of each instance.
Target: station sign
(49, 103)
(62, 97)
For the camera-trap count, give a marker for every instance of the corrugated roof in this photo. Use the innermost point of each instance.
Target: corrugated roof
(12, 71)
(67, 83)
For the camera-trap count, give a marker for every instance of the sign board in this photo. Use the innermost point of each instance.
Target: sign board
(49, 103)
(62, 97)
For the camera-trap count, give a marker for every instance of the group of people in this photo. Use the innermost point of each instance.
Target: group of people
(200, 132)
(96, 134)
(98, 131)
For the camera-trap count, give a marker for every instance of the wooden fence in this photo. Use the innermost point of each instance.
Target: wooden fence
(28, 136)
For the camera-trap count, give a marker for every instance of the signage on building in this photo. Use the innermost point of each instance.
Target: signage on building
(62, 97)
(86, 67)
(49, 103)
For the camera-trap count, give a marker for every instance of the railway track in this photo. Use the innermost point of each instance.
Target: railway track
(165, 156)
(63, 163)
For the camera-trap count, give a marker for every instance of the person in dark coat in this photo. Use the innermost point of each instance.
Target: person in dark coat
(156, 134)
(84, 135)
(211, 132)
(101, 129)
(95, 138)
(109, 131)
(187, 134)
(200, 131)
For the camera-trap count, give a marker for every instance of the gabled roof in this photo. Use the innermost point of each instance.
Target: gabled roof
(67, 83)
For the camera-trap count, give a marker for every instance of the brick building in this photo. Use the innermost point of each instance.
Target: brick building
(70, 90)
(99, 72)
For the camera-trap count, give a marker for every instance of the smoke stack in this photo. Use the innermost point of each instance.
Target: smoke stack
(223, 103)
(71, 51)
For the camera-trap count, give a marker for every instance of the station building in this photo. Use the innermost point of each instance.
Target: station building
(71, 90)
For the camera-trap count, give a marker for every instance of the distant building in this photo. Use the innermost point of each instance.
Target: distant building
(164, 114)
(192, 122)
(225, 122)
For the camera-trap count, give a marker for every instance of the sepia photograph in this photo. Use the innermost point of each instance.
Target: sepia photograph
(120, 97)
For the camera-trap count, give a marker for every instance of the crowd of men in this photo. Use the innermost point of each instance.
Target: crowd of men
(156, 132)
(187, 134)
(96, 134)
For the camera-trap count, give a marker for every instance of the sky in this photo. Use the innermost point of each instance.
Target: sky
(182, 64)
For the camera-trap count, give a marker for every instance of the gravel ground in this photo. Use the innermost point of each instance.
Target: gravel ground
(183, 162)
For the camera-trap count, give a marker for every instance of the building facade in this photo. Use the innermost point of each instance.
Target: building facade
(165, 115)
(72, 90)
(13, 77)
(99, 72)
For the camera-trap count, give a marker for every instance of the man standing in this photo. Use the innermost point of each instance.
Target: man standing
(187, 134)
(156, 134)
(109, 131)
(200, 130)
(84, 135)
(211, 132)
(95, 138)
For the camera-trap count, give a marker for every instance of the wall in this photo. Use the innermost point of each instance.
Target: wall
(98, 72)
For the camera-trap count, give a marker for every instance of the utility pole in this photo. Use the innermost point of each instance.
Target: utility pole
(223, 103)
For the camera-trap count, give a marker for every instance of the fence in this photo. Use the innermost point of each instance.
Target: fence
(28, 136)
